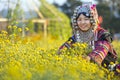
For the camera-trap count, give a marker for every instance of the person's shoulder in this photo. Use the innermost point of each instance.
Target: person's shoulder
(104, 35)
(72, 39)
(101, 30)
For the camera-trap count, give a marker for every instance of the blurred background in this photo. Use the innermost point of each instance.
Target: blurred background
(52, 17)
(31, 31)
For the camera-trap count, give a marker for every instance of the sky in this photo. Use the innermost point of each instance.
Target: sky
(60, 2)
(26, 4)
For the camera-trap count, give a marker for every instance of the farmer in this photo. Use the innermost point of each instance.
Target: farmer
(86, 29)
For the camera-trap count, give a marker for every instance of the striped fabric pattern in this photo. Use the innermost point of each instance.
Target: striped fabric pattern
(100, 51)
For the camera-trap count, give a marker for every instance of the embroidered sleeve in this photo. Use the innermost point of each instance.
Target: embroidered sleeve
(67, 44)
(102, 47)
(100, 51)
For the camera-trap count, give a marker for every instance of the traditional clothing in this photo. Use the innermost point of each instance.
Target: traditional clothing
(101, 45)
(96, 37)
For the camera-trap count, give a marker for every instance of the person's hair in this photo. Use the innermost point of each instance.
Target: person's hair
(85, 14)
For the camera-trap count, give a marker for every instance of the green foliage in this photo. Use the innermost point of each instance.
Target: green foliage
(59, 23)
(69, 7)
(30, 25)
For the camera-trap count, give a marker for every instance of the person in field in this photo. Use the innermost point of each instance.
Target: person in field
(86, 29)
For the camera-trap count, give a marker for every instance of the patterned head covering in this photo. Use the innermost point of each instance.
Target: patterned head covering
(88, 10)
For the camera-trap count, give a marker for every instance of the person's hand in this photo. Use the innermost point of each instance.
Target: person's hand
(86, 57)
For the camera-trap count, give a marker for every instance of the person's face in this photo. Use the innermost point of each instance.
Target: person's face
(83, 22)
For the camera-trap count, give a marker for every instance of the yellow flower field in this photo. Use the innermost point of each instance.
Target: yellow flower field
(34, 58)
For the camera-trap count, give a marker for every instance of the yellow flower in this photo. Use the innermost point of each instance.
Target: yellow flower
(111, 63)
(104, 65)
(26, 29)
(14, 27)
(83, 45)
(4, 32)
(118, 70)
(14, 35)
(9, 27)
(19, 29)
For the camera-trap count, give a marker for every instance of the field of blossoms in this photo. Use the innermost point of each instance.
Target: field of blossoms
(35, 58)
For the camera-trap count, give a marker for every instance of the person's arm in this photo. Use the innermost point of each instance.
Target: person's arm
(67, 44)
(102, 46)
(100, 51)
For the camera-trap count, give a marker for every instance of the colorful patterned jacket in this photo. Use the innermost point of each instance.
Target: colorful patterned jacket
(103, 52)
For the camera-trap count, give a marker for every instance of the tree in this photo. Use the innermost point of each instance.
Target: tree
(69, 6)
(110, 11)
(114, 6)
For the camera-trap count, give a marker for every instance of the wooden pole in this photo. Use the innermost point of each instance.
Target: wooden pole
(45, 29)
